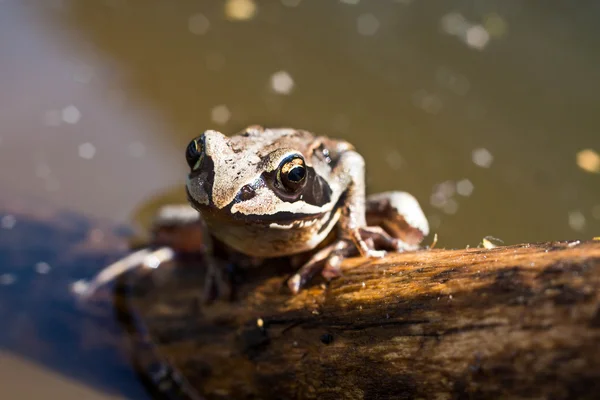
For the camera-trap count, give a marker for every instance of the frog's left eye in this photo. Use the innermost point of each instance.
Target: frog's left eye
(195, 153)
(292, 173)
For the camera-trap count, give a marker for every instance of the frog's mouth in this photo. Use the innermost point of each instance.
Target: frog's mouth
(283, 218)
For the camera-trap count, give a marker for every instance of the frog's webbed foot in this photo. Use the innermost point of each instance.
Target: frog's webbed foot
(326, 261)
(395, 222)
(368, 242)
(400, 217)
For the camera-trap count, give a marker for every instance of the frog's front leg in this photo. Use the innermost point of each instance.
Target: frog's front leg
(182, 228)
(367, 226)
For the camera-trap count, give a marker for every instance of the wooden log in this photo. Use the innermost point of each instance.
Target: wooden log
(509, 322)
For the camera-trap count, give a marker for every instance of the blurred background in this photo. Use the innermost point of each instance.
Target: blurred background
(485, 110)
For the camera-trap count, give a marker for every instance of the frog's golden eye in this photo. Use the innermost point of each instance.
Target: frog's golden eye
(195, 152)
(292, 173)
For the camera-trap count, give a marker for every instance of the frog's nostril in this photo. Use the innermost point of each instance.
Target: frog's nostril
(246, 193)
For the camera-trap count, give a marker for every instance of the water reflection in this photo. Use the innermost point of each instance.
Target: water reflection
(436, 94)
(484, 110)
(42, 253)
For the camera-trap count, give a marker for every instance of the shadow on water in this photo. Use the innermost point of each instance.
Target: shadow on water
(41, 256)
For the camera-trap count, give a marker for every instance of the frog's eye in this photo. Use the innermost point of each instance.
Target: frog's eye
(292, 173)
(195, 152)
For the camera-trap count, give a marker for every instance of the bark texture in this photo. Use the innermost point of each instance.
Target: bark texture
(510, 322)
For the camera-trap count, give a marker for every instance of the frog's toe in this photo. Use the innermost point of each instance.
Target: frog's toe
(326, 261)
(400, 214)
(218, 283)
(376, 253)
(332, 268)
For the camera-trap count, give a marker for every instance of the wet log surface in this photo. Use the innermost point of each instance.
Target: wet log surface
(510, 322)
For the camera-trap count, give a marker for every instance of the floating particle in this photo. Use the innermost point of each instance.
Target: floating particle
(495, 25)
(482, 157)
(260, 323)
(442, 194)
(240, 10)
(588, 160)
(290, 3)
(52, 118)
(455, 82)
(198, 24)
(220, 114)
(437, 200)
(450, 206)
(137, 149)
(70, 114)
(454, 24)
(429, 102)
(80, 287)
(282, 82)
(87, 151)
(477, 37)
(7, 279)
(464, 187)
(8, 221)
(367, 24)
(576, 221)
(446, 188)
(42, 268)
(394, 159)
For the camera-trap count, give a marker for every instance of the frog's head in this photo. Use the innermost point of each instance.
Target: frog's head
(264, 178)
(262, 187)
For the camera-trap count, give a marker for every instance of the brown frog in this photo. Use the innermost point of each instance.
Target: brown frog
(266, 193)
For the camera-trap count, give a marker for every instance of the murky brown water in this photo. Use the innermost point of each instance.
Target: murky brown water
(478, 108)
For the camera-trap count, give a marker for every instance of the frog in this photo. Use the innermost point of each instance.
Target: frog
(264, 193)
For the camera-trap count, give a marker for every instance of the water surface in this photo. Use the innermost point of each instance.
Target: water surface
(478, 108)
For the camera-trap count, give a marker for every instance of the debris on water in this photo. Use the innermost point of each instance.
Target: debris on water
(240, 10)
(490, 242)
(482, 157)
(7, 279)
(282, 82)
(8, 221)
(589, 161)
(42, 268)
(434, 242)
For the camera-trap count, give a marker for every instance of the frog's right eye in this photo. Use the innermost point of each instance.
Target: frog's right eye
(195, 153)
